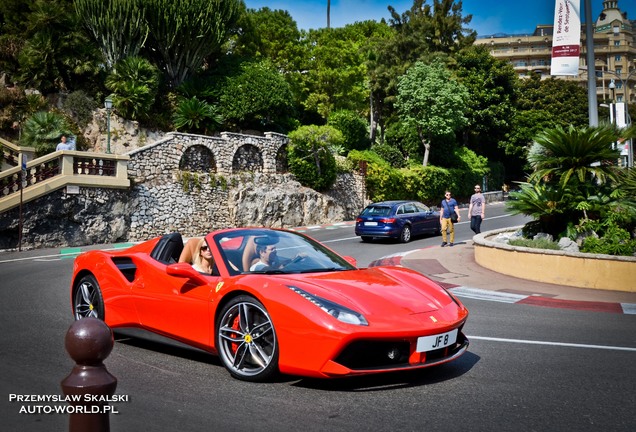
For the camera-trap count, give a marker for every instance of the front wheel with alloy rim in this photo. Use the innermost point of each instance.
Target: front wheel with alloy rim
(246, 340)
(405, 235)
(87, 298)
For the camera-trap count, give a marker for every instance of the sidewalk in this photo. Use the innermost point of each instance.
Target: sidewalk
(455, 268)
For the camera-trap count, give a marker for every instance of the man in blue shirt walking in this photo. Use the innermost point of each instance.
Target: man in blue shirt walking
(449, 210)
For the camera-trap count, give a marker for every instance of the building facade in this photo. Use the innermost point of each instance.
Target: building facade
(614, 52)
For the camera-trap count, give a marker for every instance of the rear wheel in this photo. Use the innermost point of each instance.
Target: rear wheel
(87, 299)
(246, 340)
(405, 235)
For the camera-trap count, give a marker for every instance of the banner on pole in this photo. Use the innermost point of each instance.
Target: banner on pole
(566, 39)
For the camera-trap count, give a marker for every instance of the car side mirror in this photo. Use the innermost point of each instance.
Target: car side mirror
(185, 270)
(351, 260)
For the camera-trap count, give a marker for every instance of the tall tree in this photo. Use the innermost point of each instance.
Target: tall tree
(431, 100)
(493, 87)
(56, 54)
(335, 73)
(417, 34)
(118, 26)
(543, 104)
(186, 32)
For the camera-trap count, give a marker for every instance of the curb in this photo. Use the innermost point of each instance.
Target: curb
(528, 300)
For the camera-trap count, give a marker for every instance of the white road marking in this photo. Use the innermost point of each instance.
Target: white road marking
(563, 344)
(480, 294)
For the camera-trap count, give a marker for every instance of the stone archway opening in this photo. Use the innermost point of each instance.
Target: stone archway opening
(282, 164)
(247, 158)
(198, 159)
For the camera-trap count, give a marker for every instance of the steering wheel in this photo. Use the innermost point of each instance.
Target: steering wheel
(296, 259)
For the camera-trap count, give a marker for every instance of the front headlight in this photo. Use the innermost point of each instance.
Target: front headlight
(337, 311)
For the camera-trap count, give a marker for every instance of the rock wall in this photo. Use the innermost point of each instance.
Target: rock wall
(191, 184)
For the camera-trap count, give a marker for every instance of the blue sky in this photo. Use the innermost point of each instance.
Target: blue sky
(489, 16)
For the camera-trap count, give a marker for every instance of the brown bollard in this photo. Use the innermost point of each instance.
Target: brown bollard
(89, 385)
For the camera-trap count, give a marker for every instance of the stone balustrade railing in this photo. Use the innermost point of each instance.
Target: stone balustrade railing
(12, 154)
(60, 169)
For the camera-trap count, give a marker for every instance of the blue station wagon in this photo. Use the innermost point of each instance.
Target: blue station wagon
(396, 219)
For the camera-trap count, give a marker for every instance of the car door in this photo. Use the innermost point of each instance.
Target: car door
(416, 218)
(429, 221)
(175, 306)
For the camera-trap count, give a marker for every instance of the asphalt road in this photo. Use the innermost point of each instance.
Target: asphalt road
(527, 369)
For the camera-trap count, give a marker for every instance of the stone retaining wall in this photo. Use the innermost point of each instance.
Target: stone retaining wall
(581, 270)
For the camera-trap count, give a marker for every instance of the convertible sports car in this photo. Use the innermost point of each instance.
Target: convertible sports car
(309, 312)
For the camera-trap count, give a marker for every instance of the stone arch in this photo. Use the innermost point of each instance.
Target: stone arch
(197, 158)
(247, 158)
(282, 165)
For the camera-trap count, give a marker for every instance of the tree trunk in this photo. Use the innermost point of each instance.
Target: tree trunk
(372, 126)
(427, 145)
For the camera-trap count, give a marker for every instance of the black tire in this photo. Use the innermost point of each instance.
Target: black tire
(405, 234)
(87, 299)
(246, 340)
(366, 239)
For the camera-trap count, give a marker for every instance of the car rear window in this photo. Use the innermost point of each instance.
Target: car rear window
(376, 211)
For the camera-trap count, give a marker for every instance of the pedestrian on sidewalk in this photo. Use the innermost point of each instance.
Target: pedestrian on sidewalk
(447, 217)
(476, 209)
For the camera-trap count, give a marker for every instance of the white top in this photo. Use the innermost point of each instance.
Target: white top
(258, 265)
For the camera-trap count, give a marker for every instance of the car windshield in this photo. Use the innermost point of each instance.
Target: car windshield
(376, 211)
(268, 251)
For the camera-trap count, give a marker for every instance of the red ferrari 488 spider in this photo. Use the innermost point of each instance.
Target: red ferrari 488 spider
(275, 301)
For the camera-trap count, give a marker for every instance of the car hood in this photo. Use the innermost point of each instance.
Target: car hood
(377, 290)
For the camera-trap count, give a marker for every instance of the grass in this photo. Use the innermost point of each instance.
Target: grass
(535, 244)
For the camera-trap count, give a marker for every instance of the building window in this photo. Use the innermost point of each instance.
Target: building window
(619, 98)
(617, 43)
(619, 71)
(617, 58)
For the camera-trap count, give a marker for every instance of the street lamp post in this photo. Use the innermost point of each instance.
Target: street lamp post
(612, 87)
(108, 104)
(625, 87)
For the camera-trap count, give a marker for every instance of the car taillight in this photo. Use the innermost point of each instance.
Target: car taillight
(358, 220)
(387, 220)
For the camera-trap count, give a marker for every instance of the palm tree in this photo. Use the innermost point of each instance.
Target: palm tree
(43, 130)
(196, 116)
(134, 82)
(574, 176)
(575, 155)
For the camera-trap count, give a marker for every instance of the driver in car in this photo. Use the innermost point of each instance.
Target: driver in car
(266, 257)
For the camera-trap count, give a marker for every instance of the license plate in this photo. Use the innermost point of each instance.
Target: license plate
(370, 224)
(430, 343)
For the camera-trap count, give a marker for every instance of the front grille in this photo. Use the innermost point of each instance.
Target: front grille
(366, 354)
(374, 354)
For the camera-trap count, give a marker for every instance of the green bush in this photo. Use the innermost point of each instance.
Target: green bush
(354, 129)
(310, 158)
(390, 154)
(80, 107)
(613, 238)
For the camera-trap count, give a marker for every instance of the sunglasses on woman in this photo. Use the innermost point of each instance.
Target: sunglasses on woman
(204, 248)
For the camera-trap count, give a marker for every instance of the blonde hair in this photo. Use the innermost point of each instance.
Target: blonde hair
(198, 258)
